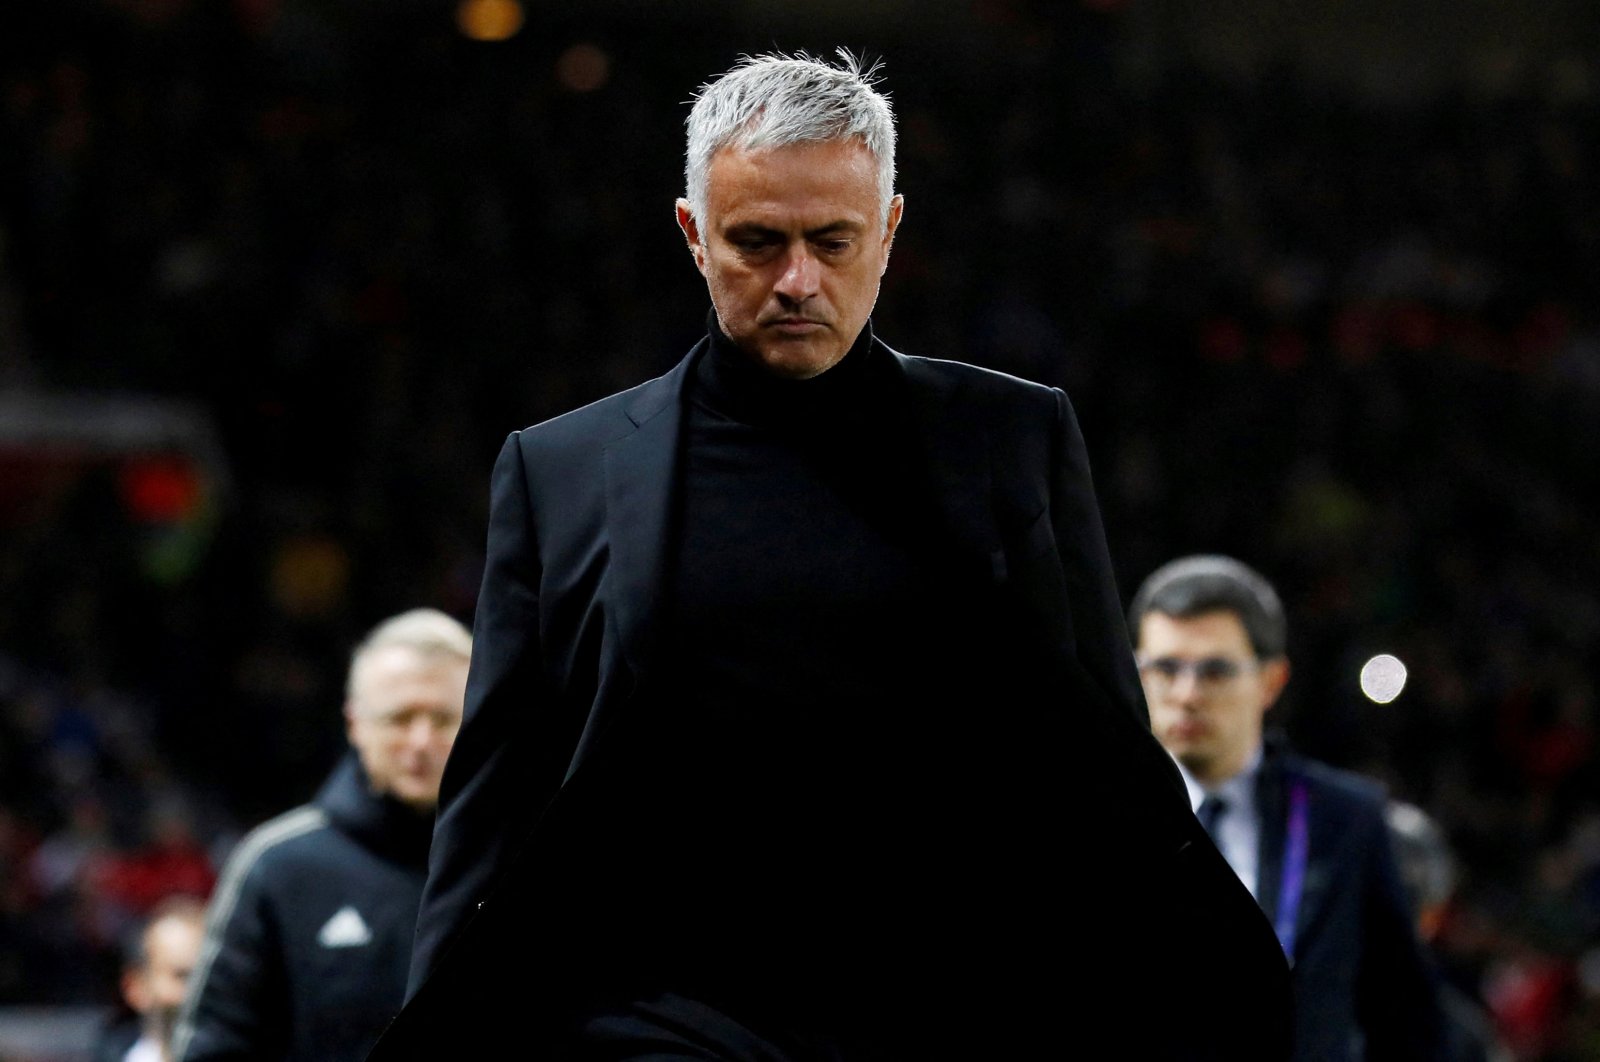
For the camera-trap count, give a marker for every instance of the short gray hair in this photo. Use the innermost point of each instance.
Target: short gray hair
(427, 631)
(774, 100)
(1211, 582)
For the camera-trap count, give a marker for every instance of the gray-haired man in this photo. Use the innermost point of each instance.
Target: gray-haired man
(803, 721)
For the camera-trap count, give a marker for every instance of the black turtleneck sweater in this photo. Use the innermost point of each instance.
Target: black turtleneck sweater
(803, 565)
(785, 794)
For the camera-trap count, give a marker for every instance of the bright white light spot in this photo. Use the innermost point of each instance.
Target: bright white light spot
(1382, 678)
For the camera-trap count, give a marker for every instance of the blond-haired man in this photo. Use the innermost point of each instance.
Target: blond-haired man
(309, 934)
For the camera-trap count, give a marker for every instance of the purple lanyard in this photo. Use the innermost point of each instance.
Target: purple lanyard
(1295, 852)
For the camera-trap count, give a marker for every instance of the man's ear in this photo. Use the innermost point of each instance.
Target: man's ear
(691, 232)
(1274, 677)
(897, 207)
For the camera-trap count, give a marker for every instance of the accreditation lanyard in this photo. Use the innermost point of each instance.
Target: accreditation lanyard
(1296, 850)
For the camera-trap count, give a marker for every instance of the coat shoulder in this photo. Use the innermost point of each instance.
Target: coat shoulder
(975, 379)
(583, 421)
(614, 415)
(1347, 786)
(1350, 803)
(1005, 405)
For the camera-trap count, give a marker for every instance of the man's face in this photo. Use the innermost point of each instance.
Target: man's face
(155, 990)
(402, 718)
(1206, 689)
(792, 247)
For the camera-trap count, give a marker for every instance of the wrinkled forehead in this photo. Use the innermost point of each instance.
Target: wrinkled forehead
(828, 175)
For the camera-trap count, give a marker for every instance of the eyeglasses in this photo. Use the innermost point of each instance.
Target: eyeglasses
(1208, 670)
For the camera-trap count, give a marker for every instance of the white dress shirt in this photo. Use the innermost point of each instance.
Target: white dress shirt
(144, 1049)
(1239, 827)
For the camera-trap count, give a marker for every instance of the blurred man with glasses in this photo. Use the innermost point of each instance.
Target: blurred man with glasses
(1311, 843)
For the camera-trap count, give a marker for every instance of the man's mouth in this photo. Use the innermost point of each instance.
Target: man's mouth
(1187, 731)
(795, 325)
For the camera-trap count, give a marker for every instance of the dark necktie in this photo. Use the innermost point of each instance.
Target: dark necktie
(1210, 811)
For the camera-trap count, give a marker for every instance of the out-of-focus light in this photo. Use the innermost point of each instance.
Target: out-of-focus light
(310, 576)
(489, 20)
(583, 68)
(1382, 678)
(160, 490)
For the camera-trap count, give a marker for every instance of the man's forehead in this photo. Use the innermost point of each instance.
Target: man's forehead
(836, 174)
(1218, 628)
(390, 667)
(173, 933)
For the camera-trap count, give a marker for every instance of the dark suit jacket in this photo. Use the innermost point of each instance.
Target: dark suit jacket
(1361, 974)
(566, 637)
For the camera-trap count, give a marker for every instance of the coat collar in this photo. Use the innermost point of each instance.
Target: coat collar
(642, 470)
(956, 452)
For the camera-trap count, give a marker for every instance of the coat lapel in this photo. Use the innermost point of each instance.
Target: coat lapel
(953, 452)
(642, 473)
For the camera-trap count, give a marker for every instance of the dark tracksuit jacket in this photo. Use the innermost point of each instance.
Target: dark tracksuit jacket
(308, 936)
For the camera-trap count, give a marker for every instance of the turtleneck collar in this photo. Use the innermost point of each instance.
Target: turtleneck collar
(733, 383)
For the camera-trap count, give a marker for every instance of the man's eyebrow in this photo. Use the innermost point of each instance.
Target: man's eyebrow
(835, 228)
(750, 228)
(832, 228)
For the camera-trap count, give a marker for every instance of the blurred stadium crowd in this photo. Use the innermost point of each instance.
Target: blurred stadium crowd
(1353, 341)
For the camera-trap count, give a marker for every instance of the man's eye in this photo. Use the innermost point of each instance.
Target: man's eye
(1164, 667)
(1215, 669)
(834, 246)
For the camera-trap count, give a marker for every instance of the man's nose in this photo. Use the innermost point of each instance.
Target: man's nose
(1185, 688)
(419, 733)
(801, 274)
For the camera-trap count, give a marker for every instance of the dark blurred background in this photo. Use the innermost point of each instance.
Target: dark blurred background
(278, 276)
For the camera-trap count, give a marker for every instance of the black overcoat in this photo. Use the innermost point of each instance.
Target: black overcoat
(566, 641)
